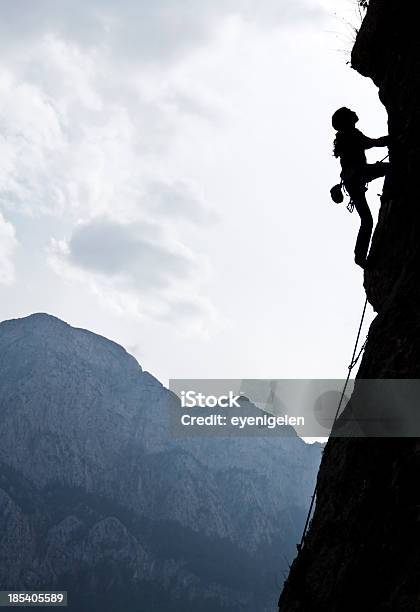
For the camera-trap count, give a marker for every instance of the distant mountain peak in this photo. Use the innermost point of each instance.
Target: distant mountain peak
(58, 335)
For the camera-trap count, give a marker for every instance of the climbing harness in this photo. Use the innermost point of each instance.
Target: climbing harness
(353, 362)
(337, 191)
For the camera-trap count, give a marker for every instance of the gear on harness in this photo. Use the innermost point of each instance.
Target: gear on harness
(337, 193)
(337, 196)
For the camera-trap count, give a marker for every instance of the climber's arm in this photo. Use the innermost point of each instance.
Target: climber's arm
(383, 141)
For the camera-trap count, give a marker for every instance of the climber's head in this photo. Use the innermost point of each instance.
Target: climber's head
(344, 118)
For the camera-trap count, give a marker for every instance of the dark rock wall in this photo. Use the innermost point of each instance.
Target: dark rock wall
(362, 549)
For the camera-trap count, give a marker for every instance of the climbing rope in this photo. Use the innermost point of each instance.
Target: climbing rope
(353, 362)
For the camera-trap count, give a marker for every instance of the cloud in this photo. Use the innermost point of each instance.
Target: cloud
(30, 135)
(137, 253)
(141, 29)
(95, 99)
(8, 245)
(67, 144)
(177, 201)
(77, 140)
(135, 268)
(80, 133)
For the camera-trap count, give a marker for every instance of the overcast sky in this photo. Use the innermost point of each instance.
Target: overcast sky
(164, 179)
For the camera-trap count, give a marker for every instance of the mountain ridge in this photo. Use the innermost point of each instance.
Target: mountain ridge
(98, 497)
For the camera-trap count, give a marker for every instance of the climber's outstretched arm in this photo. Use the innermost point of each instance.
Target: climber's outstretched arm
(376, 142)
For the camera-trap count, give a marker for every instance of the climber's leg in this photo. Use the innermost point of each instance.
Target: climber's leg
(365, 231)
(374, 171)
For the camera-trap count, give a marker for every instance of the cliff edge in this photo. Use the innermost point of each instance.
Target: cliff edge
(361, 549)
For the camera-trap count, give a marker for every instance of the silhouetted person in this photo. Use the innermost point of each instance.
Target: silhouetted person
(350, 145)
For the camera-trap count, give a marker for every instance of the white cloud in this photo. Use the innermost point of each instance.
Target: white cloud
(80, 140)
(140, 29)
(136, 269)
(176, 201)
(29, 135)
(8, 245)
(165, 114)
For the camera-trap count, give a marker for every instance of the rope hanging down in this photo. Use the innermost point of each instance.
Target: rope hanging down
(353, 362)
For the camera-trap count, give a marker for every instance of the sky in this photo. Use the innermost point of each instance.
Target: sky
(164, 179)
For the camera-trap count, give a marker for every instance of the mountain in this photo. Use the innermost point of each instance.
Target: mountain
(362, 550)
(98, 498)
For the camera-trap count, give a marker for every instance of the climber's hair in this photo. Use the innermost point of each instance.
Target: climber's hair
(342, 119)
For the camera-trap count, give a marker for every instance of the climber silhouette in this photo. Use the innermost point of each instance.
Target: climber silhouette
(350, 145)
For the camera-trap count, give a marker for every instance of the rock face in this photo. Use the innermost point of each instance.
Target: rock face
(98, 498)
(362, 550)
